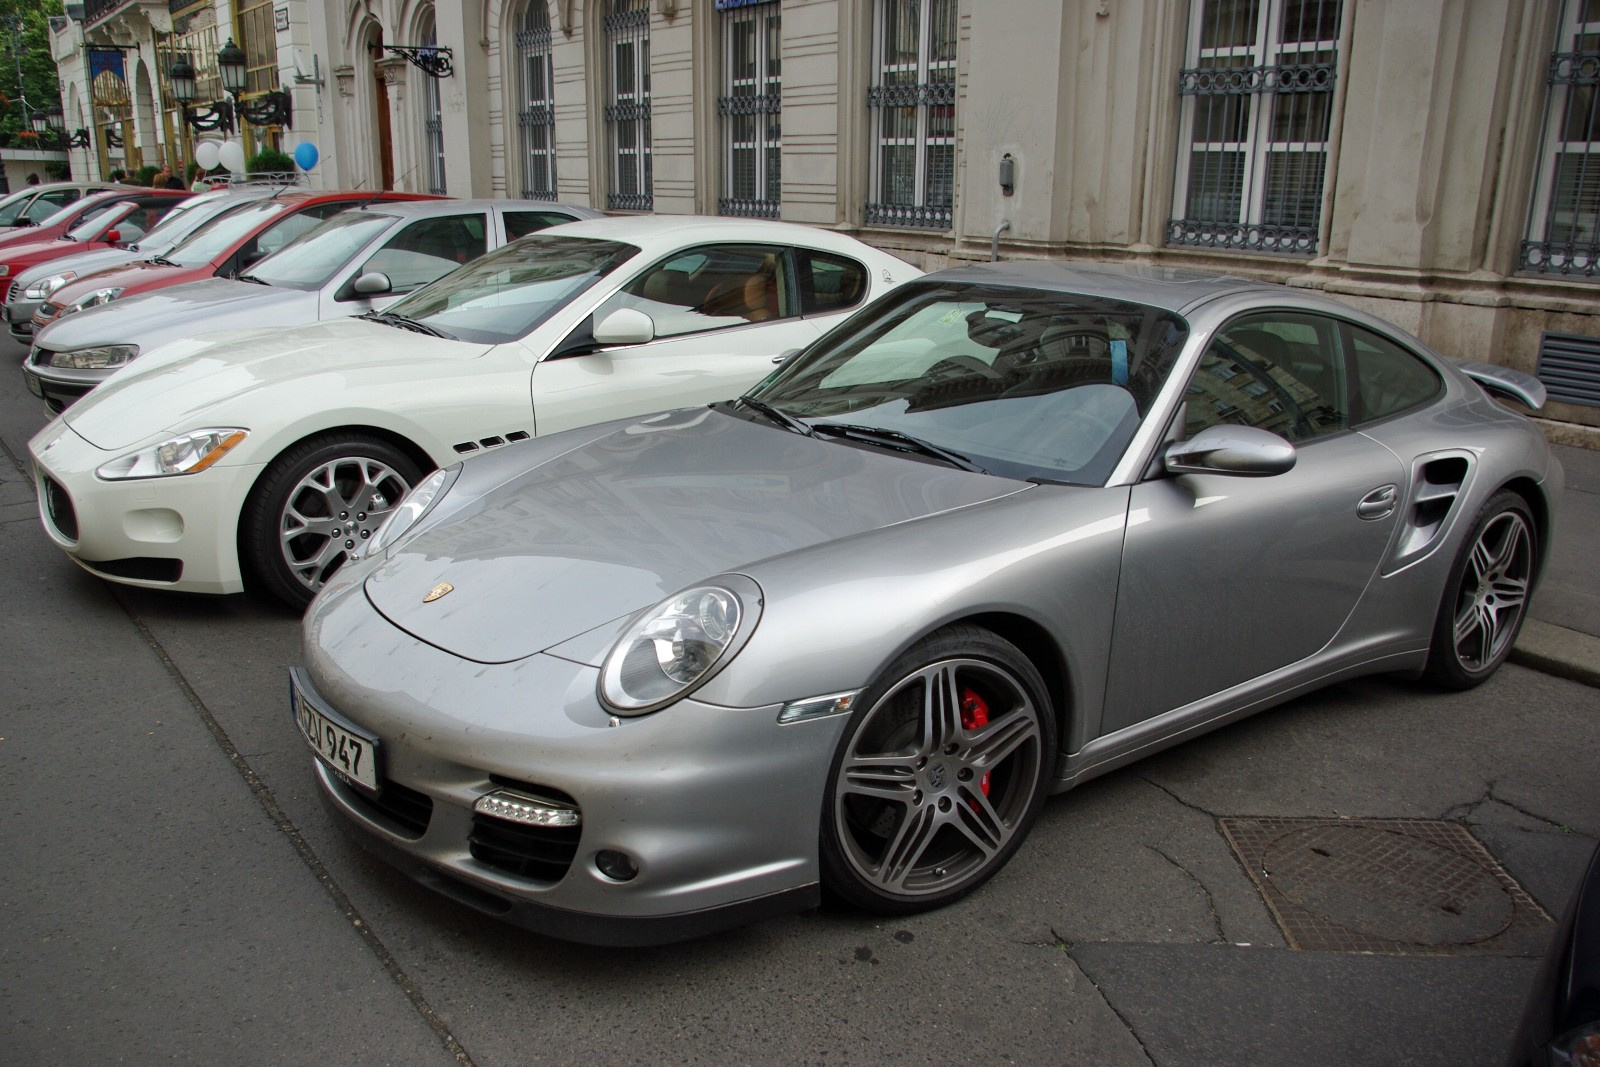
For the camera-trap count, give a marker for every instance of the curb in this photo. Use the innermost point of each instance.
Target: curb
(1559, 651)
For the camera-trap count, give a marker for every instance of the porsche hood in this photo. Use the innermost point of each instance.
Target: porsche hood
(615, 525)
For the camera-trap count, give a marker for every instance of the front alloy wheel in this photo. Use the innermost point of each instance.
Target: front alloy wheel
(939, 775)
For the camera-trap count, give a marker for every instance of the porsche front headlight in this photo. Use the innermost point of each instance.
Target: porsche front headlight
(42, 289)
(93, 299)
(187, 453)
(412, 507)
(679, 645)
(100, 357)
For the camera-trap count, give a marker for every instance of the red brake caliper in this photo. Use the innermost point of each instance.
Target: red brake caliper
(975, 713)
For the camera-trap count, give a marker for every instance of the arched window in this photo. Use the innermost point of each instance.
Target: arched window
(536, 119)
(432, 117)
(627, 29)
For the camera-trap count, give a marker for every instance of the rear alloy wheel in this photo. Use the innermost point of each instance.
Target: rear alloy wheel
(316, 507)
(939, 776)
(1487, 596)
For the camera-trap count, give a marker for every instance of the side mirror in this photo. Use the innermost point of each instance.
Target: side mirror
(371, 284)
(114, 236)
(1238, 450)
(625, 326)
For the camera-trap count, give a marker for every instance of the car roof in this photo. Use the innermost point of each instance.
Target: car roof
(1169, 288)
(635, 228)
(429, 208)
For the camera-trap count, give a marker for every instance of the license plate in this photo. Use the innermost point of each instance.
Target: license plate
(34, 387)
(351, 755)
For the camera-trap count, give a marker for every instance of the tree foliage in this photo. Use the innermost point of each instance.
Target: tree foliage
(27, 71)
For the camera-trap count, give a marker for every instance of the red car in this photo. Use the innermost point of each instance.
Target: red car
(224, 247)
(97, 221)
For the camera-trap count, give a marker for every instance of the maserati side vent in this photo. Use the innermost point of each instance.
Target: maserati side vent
(1569, 367)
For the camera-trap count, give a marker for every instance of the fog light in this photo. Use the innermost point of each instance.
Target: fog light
(617, 866)
(513, 807)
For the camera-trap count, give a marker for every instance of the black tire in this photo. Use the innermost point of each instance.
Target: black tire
(1486, 597)
(923, 805)
(315, 506)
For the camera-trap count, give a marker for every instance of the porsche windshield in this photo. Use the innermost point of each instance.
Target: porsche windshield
(1022, 383)
(505, 294)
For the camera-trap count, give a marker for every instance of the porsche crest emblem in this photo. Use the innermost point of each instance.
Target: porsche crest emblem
(438, 591)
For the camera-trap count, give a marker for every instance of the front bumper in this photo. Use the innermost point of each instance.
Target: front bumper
(161, 533)
(19, 315)
(717, 808)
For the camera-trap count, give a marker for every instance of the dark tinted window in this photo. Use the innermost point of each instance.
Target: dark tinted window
(1388, 379)
(522, 223)
(1281, 372)
(831, 283)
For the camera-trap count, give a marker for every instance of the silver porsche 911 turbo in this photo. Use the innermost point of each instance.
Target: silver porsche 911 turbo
(1009, 527)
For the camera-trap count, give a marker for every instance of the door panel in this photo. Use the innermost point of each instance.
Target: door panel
(1225, 579)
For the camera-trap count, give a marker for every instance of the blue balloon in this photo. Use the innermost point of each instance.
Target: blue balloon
(305, 154)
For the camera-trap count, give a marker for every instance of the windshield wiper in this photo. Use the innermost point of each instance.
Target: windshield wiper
(249, 278)
(389, 318)
(782, 418)
(901, 442)
(164, 261)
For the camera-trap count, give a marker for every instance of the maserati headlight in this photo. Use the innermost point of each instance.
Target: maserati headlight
(93, 299)
(679, 645)
(411, 508)
(187, 453)
(101, 357)
(42, 289)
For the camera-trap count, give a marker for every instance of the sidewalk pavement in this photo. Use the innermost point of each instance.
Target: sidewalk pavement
(1562, 632)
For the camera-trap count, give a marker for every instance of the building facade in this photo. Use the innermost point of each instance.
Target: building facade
(1434, 161)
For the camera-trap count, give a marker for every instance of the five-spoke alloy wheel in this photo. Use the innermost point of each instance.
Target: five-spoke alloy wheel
(1487, 595)
(939, 775)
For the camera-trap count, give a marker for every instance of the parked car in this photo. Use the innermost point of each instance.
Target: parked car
(74, 215)
(355, 262)
(277, 452)
(1561, 1024)
(110, 224)
(31, 287)
(33, 204)
(225, 247)
(1010, 527)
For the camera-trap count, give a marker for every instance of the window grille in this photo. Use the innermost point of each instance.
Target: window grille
(1563, 235)
(536, 119)
(913, 103)
(627, 30)
(1257, 101)
(433, 122)
(751, 108)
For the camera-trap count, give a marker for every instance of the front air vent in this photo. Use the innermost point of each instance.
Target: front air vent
(403, 811)
(537, 853)
(1569, 367)
(58, 505)
(466, 448)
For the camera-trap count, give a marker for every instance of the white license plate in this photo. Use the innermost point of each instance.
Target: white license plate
(34, 387)
(351, 755)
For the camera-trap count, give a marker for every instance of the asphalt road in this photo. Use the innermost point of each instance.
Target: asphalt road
(172, 891)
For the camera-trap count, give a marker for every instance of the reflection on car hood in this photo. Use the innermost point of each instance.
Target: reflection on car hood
(183, 386)
(176, 311)
(141, 273)
(81, 263)
(616, 525)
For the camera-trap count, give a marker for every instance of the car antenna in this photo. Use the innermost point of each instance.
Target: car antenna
(376, 193)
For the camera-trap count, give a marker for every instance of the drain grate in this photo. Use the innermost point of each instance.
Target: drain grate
(1407, 886)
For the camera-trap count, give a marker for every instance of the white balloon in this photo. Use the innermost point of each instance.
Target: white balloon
(232, 156)
(207, 153)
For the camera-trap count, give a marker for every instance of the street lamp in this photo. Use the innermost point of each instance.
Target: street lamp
(40, 121)
(218, 115)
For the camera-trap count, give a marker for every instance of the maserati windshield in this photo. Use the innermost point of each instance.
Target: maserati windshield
(1022, 383)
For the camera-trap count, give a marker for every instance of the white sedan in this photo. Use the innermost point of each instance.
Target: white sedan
(274, 455)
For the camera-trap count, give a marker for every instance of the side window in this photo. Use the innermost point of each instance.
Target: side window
(428, 249)
(276, 236)
(1388, 379)
(710, 288)
(46, 204)
(1281, 372)
(831, 283)
(522, 223)
(92, 213)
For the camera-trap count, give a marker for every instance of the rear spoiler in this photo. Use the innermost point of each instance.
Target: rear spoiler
(1506, 383)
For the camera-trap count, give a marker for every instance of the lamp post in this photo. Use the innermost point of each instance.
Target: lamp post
(271, 109)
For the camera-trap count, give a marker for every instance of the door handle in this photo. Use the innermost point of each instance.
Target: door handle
(1378, 504)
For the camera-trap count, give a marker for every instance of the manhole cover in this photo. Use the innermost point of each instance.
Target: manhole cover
(1386, 885)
